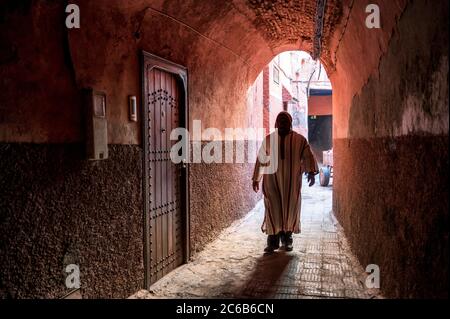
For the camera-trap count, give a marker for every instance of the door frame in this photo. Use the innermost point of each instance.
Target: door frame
(148, 62)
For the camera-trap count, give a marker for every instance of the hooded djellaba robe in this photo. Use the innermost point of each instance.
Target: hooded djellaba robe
(281, 189)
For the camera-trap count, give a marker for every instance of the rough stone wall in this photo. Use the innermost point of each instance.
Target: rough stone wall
(224, 194)
(391, 172)
(62, 209)
(391, 196)
(57, 209)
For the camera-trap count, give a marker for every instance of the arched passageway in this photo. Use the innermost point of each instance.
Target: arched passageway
(390, 131)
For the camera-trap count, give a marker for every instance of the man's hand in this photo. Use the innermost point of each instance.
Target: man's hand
(255, 186)
(311, 179)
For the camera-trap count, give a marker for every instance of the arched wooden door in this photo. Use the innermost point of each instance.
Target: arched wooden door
(165, 183)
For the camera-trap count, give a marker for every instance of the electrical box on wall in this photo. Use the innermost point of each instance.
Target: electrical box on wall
(96, 125)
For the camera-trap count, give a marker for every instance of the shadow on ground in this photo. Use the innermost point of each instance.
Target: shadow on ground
(269, 271)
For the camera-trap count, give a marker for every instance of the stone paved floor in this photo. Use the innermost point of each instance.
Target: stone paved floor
(234, 266)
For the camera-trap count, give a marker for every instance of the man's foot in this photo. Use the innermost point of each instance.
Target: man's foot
(289, 247)
(273, 242)
(287, 241)
(269, 249)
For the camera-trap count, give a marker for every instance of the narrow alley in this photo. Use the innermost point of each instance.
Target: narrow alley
(136, 141)
(235, 266)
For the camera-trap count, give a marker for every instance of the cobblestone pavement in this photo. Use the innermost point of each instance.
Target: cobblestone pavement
(234, 266)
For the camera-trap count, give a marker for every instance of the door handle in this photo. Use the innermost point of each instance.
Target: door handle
(183, 163)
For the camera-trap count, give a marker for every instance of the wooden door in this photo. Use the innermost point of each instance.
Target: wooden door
(165, 197)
